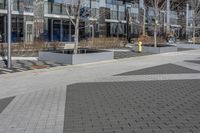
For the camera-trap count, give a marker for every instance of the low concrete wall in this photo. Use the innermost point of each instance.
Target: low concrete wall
(55, 57)
(157, 50)
(75, 59)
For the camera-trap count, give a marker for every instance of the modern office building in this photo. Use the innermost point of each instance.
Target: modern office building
(22, 21)
(48, 20)
(109, 18)
(112, 18)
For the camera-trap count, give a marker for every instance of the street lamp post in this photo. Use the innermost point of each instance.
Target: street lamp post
(9, 64)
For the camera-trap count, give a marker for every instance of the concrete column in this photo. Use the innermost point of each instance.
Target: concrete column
(61, 30)
(168, 16)
(70, 33)
(51, 29)
(9, 60)
(45, 6)
(118, 19)
(187, 18)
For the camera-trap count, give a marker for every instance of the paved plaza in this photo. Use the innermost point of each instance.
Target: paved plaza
(145, 94)
(27, 65)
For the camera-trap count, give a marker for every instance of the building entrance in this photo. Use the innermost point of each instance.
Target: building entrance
(29, 31)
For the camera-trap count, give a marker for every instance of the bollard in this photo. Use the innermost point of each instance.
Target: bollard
(140, 46)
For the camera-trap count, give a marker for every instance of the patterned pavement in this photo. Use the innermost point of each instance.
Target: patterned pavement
(167, 106)
(162, 69)
(4, 103)
(128, 54)
(194, 61)
(162, 99)
(129, 107)
(36, 112)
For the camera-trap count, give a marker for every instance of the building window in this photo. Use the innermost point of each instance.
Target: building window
(2, 4)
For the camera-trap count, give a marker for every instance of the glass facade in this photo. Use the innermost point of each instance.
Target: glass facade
(22, 25)
(111, 18)
(2, 4)
(101, 10)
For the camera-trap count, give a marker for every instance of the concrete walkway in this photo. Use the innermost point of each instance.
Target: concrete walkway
(40, 95)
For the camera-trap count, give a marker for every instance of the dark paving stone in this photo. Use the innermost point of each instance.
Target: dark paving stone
(162, 69)
(184, 49)
(194, 61)
(128, 54)
(4, 103)
(128, 107)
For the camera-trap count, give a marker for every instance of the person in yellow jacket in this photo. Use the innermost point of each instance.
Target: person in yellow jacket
(139, 46)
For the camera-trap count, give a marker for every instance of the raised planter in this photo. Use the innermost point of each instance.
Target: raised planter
(73, 59)
(157, 50)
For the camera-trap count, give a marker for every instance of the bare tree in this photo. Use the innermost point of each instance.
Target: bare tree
(73, 8)
(78, 10)
(38, 17)
(195, 4)
(158, 5)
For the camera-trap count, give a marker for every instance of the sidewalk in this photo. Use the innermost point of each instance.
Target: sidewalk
(154, 93)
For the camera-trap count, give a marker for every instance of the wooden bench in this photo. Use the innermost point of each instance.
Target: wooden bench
(70, 46)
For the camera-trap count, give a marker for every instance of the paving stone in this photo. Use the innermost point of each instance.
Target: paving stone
(184, 49)
(128, 54)
(134, 106)
(194, 61)
(162, 69)
(35, 112)
(4, 103)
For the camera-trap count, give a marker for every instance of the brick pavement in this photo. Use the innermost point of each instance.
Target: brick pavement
(36, 112)
(39, 105)
(128, 107)
(128, 54)
(162, 69)
(194, 61)
(4, 103)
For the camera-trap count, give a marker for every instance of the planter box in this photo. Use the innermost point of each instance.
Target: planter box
(157, 50)
(73, 59)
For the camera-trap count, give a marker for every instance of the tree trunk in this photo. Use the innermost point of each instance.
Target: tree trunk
(76, 38)
(144, 20)
(194, 38)
(77, 33)
(155, 36)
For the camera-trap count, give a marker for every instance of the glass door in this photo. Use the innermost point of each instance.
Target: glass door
(56, 30)
(29, 31)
